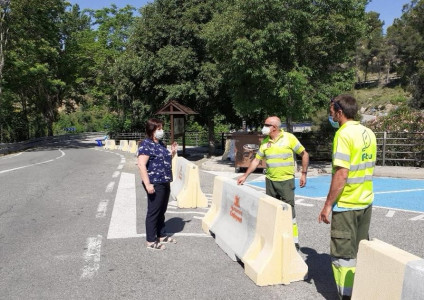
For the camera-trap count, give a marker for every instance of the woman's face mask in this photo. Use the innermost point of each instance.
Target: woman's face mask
(159, 134)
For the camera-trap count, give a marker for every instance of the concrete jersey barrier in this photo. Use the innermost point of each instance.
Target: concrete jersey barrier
(234, 226)
(380, 271)
(123, 145)
(132, 147)
(413, 287)
(255, 229)
(185, 187)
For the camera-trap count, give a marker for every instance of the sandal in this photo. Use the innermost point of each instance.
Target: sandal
(167, 239)
(156, 246)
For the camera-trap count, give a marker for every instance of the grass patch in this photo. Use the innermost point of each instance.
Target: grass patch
(381, 96)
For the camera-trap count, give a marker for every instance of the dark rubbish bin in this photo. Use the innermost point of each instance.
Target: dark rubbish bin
(246, 146)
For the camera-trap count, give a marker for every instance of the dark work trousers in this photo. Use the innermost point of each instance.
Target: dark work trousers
(157, 204)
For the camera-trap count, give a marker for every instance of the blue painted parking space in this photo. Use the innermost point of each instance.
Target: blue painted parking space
(399, 193)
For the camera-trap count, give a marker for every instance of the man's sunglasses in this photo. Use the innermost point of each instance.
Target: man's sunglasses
(336, 105)
(268, 125)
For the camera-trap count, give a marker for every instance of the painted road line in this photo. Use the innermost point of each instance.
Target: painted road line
(116, 174)
(110, 186)
(196, 217)
(92, 257)
(36, 164)
(102, 208)
(123, 223)
(10, 156)
(185, 212)
(300, 202)
(182, 234)
(417, 218)
(390, 214)
(400, 191)
(120, 167)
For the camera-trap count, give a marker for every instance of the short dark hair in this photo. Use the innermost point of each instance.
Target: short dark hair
(151, 125)
(347, 105)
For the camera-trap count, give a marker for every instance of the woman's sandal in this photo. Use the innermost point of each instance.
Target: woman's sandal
(167, 239)
(156, 246)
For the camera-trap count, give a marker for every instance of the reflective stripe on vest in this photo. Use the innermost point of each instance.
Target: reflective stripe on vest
(344, 273)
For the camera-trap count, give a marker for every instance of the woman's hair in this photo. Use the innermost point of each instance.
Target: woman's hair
(151, 126)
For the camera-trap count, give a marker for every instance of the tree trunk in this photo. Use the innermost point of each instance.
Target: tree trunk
(211, 137)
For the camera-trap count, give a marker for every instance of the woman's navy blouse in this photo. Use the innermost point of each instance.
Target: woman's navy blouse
(159, 166)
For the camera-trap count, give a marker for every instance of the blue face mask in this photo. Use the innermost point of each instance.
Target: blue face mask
(333, 123)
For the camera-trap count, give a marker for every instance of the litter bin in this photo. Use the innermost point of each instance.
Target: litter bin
(246, 146)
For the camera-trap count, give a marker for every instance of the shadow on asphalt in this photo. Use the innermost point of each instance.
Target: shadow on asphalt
(175, 225)
(320, 273)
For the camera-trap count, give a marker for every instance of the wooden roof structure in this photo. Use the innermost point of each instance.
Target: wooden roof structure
(175, 108)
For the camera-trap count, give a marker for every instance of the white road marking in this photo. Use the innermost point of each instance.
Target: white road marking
(110, 186)
(417, 218)
(399, 191)
(102, 208)
(11, 156)
(120, 167)
(196, 217)
(123, 223)
(182, 234)
(116, 174)
(123, 161)
(390, 214)
(31, 165)
(185, 212)
(300, 202)
(92, 257)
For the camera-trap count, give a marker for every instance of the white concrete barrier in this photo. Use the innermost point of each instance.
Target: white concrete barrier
(255, 229)
(185, 187)
(413, 282)
(380, 270)
(123, 145)
(110, 145)
(272, 258)
(132, 147)
(235, 223)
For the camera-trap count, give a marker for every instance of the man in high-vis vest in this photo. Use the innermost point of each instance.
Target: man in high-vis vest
(277, 150)
(351, 194)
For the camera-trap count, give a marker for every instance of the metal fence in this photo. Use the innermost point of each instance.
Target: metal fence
(393, 148)
(400, 148)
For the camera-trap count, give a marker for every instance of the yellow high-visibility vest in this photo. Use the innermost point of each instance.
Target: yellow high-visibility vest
(355, 148)
(279, 155)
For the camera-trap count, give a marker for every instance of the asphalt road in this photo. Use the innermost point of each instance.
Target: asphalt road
(59, 202)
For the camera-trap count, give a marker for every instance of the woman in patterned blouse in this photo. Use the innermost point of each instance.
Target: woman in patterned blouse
(154, 162)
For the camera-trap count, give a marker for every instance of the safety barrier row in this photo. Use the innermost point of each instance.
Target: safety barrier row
(124, 145)
(255, 229)
(386, 272)
(185, 187)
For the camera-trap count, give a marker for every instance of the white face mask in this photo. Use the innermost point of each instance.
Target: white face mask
(266, 130)
(159, 134)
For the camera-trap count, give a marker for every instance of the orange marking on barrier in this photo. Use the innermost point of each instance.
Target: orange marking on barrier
(235, 211)
(180, 173)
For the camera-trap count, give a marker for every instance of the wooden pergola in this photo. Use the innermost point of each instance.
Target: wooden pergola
(177, 113)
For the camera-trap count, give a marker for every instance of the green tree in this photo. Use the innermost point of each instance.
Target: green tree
(174, 63)
(407, 36)
(285, 57)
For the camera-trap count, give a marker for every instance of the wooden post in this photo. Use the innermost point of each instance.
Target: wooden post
(172, 125)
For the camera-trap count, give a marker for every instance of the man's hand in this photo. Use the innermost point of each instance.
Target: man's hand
(302, 181)
(241, 179)
(324, 215)
(150, 188)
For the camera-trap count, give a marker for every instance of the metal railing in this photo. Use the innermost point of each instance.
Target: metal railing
(393, 148)
(400, 148)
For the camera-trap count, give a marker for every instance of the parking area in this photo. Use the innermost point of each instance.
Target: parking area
(394, 193)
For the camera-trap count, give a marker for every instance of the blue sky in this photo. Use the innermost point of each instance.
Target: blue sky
(388, 9)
